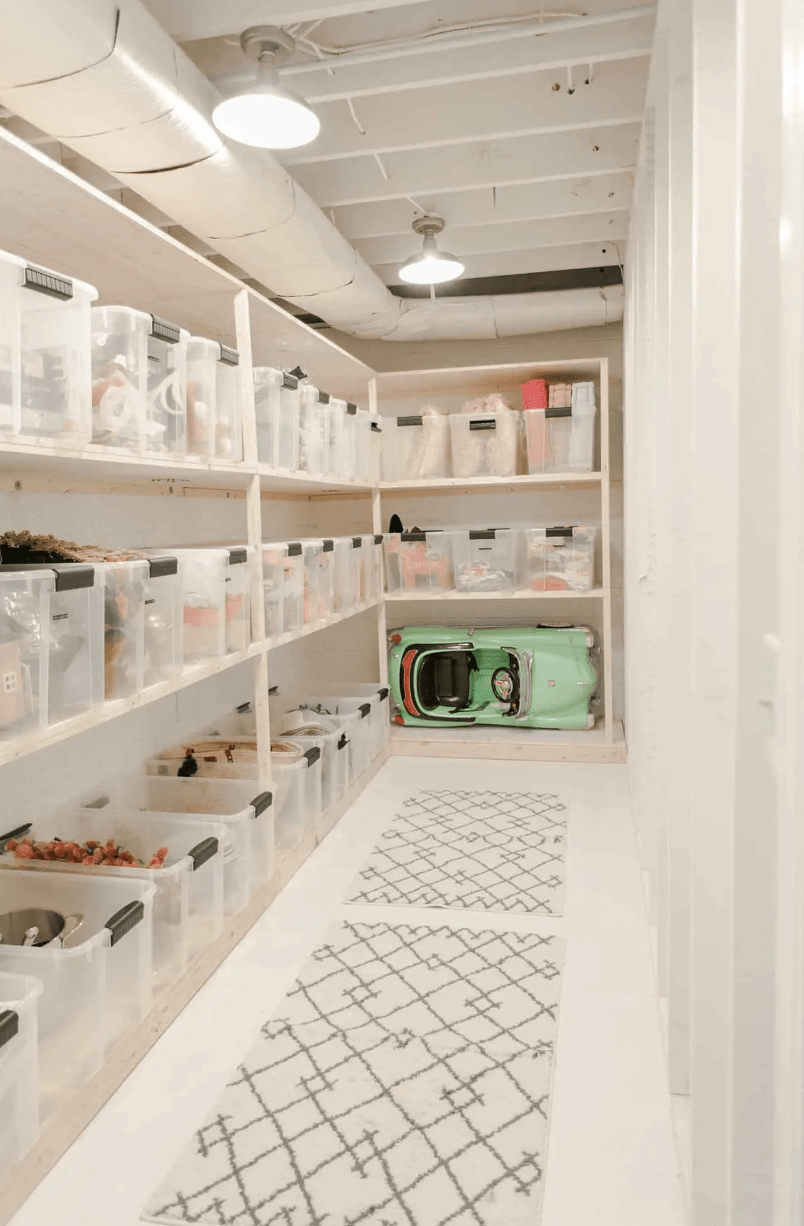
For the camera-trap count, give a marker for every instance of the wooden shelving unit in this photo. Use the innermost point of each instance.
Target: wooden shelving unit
(52, 218)
(405, 392)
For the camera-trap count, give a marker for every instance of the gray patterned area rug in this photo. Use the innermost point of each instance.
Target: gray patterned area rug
(486, 851)
(406, 1083)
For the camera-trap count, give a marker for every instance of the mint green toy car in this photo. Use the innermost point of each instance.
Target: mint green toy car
(517, 677)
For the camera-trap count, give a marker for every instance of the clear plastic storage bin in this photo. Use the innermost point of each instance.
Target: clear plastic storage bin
(214, 419)
(97, 987)
(487, 560)
(558, 559)
(289, 777)
(339, 436)
(248, 819)
(277, 409)
(139, 381)
(419, 562)
(19, 1068)
(313, 424)
(207, 757)
(123, 586)
(291, 555)
(365, 447)
(355, 714)
(346, 586)
(415, 448)
(188, 903)
(486, 445)
(45, 367)
(318, 579)
(24, 638)
(361, 692)
(71, 636)
(562, 439)
(164, 621)
(215, 598)
(372, 569)
(273, 588)
(329, 737)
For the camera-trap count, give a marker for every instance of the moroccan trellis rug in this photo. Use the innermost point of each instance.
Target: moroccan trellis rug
(485, 851)
(406, 1083)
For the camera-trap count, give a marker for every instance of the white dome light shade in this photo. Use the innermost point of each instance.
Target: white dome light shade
(267, 115)
(431, 269)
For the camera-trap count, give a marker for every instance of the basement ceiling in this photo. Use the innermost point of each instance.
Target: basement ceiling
(526, 147)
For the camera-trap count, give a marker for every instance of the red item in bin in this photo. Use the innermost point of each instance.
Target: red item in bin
(534, 394)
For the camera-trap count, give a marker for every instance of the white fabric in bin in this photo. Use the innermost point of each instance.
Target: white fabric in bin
(19, 1067)
(246, 814)
(188, 904)
(486, 444)
(93, 991)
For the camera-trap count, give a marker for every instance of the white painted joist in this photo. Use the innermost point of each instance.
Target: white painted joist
(534, 259)
(465, 113)
(190, 19)
(466, 167)
(489, 205)
(515, 236)
(553, 53)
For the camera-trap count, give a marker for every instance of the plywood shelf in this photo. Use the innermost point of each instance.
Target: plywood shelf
(597, 744)
(284, 480)
(492, 597)
(493, 485)
(108, 465)
(314, 627)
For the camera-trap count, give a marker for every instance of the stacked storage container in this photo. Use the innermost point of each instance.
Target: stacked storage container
(319, 557)
(313, 430)
(336, 693)
(486, 443)
(164, 621)
(560, 434)
(51, 644)
(372, 569)
(188, 900)
(354, 717)
(227, 808)
(347, 553)
(19, 1067)
(555, 559)
(98, 985)
(45, 374)
(214, 417)
(487, 560)
(215, 596)
(415, 447)
(419, 562)
(139, 381)
(328, 736)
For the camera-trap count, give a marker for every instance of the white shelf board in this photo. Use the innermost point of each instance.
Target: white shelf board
(498, 485)
(480, 380)
(285, 480)
(31, 742)
(78, 1108)
(510, 744)
(36, 739)
(108, 465)
(51, 217)
(498, 597)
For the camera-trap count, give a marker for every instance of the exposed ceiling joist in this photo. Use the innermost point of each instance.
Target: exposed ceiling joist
(489, 206)
(190, 19)
(517, 236)
(463, 167)
(464, 113)
(535, 259)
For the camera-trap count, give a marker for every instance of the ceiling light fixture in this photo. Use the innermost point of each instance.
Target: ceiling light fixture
(266, 114)
(432, 267)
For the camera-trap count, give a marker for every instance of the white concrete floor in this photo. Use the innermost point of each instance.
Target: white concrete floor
(612, 1159)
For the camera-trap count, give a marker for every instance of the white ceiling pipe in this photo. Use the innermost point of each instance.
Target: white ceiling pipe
(450, 42)
(113, 86)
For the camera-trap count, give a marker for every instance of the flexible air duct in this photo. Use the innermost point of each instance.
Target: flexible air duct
(106, 80)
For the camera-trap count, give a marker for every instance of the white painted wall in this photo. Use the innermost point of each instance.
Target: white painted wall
(714, 519)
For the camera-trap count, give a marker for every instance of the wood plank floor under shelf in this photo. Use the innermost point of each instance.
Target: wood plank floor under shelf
(510, 744)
